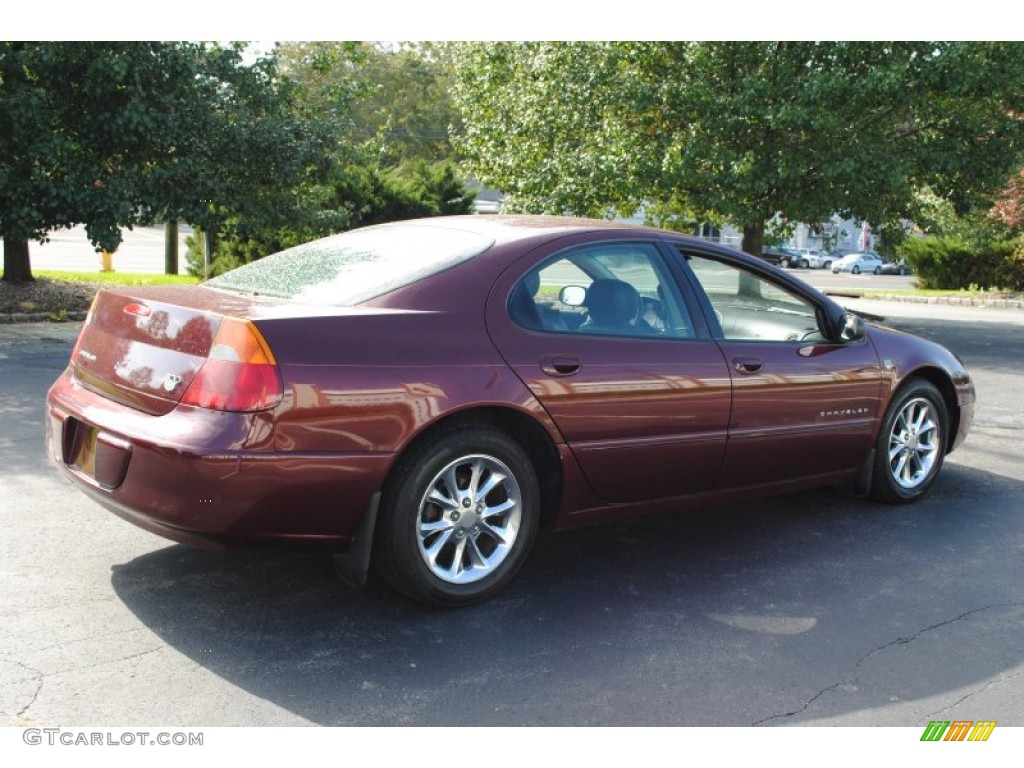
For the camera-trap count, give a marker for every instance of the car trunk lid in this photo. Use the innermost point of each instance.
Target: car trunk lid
(140, 351)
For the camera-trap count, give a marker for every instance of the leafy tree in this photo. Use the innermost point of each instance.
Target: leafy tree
(1009, 205)
(115, 134)
(741, 131)
(382, 115)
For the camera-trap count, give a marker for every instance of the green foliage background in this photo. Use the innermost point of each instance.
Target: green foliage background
(314, 139)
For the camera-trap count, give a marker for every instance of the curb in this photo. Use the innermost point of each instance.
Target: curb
(40, 317)
(953, 301)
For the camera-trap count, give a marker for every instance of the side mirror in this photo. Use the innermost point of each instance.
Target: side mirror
(573, 295)
(851, 327)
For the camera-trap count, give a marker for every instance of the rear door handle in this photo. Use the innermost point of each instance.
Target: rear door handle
(560, 365)
(747, 365)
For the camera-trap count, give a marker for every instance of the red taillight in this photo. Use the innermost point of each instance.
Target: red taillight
(240, 373)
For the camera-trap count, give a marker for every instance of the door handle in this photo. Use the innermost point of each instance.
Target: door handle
(560, 365)
(747, 365)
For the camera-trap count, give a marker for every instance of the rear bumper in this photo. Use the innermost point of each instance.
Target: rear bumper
(200, 477)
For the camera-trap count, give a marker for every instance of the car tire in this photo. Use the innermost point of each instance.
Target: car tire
(458, 517)
(827, 265)
(804, 264)
(855, 270)
(878, 271)
(911, 444)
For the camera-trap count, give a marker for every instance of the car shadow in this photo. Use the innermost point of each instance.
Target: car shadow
(779, 611)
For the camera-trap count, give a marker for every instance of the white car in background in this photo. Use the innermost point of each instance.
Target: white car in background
(855, 263)
(816, 259)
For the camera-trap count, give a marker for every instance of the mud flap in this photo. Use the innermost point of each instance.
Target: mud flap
(860, 486)
(353, 566)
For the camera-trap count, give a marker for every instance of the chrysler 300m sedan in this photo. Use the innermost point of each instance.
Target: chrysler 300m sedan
(419, 398)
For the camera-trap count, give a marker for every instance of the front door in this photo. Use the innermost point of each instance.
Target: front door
(802, 405)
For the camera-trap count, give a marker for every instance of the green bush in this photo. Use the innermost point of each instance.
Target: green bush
(949, 263)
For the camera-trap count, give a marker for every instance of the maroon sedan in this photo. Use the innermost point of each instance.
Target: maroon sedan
(422, 396)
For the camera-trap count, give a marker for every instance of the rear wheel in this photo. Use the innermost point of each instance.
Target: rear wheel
(803, 264)
(458, 518)
(911, 444)
(878, 270)
(855, 270)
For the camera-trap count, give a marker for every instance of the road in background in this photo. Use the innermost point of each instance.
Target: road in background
(141, 251)
(825, 281)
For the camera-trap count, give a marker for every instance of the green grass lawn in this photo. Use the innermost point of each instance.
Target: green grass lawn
(115, 278)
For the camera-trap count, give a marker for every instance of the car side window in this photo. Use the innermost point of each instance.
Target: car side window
(620, 289)
(749, 307)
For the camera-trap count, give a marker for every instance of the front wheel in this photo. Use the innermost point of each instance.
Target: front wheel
(804, 263)
(855, 270)
(878, 270)
(458, 517)
(911, 444)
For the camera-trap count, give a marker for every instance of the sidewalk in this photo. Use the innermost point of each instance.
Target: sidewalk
(953, 301)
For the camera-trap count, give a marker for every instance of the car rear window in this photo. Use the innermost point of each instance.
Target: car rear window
(356, 266)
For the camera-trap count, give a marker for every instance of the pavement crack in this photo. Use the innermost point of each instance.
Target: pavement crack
(66, 643)
(806, 705)
(929, 628)
(854, 677)
(37, 676)
(972, 694)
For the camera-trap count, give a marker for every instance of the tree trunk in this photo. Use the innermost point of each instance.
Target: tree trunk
(753, 238)
(171, 247)
(17, 267)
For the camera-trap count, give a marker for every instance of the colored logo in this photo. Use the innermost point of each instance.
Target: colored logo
(958, 730)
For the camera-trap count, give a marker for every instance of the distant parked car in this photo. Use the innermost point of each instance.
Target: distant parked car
(856, 263)
(899, 267)
(816, 259)
(784, 257)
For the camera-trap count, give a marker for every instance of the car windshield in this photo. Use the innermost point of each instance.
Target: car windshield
(355, 266)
